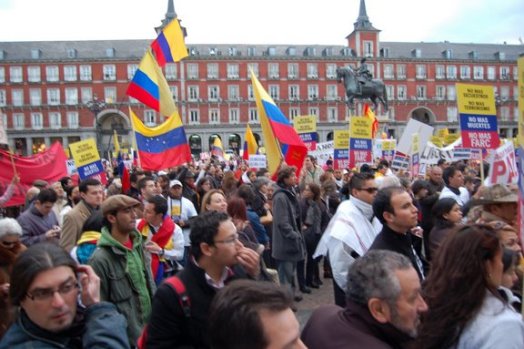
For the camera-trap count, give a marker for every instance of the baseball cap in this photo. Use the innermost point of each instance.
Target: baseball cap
(175, 182)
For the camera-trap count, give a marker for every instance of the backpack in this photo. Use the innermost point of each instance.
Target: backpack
(185, 302)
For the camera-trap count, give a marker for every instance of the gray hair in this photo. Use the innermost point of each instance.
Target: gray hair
(373, 276)
(389, 181)
(9, 226)
(260, 181)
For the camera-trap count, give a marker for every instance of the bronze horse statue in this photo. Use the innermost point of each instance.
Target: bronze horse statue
(372, 89)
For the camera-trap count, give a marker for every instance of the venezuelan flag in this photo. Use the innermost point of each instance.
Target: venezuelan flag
(250, 144)
(150, 87)
(162, 146)
(374, 122)
(169, 46)
(281, 141)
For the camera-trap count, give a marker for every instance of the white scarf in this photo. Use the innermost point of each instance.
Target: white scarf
(364, 207)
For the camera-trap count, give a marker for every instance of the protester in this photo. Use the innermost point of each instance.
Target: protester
(39, 223)
(255, 315)
(383, 307)
(311, 172)
(447, 215)
(311, 210)
(461, 292)
(8, 193)
(202, 187)
(214, 200)
(47, 285)
(510, 261)
(454, 188)
(499, 203)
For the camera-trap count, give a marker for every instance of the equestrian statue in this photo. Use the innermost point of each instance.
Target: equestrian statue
(360, 84)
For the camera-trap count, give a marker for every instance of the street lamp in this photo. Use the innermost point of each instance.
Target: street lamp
(96, 106)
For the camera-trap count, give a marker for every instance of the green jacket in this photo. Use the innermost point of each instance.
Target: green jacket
(125, 280)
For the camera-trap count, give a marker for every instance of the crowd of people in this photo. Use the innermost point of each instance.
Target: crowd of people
(216, 256)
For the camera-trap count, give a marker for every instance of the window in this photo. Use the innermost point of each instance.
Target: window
(312, 92)
(478, 72)
(233, 71)
(504, 73)
(448, 54)
(213, 93)
(2, 74)
(110, 94)
(253, 115)
(86, 94)
(294, 92)
(71, 96)
(3, 98)
(212, 71)
(71, 53)
(388, 71)
(331, 92)
(416, 53)
(251, 51)
(35, 96)
(149, 117)
(15, 74)
(37, 121)
(271, 51)
(194, 116)
(465, 72)
(4, 120)
(452, 114)
(274, 92)
(250, 94)
(440, 72)
(72, 119)
(440, 93)
(312, 71)
(515, 92)
(174, 92)
(131, 70)
(214, 116)
(233, 116)
(232, 51)
(368, 48)
(51, 73)
(451, 72)
(193, 93)
(192, 71)
(292, 71)
(254, 67)
(504, 93)
(491, 73)
(233, 92)
(421, 71)
(293, 112)
(18, 121)
(401, 93)
(110, 52)
(86, 73)
(504, 113)
(401, 71)
(332, 114)
(170, 71)
(53, 96)
(313, 111)
(273, 71)
(331, 71)
(70, 73)
(515, 73)
(55, 120)
(291, 51)
(17, 97)
(421, 92)
(310, 52)
(390, 92)
(451, 93)
(384, 52)
(109, 72)
(33, 74)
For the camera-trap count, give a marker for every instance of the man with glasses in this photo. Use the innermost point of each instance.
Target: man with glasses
(126, 280)
(46, 285)
(351, 231)
(217, 257)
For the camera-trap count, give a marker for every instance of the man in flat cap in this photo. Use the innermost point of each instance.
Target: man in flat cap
(125, 279)
(499, 203)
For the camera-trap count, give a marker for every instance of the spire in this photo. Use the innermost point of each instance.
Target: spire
(363, 22)
(170, 15)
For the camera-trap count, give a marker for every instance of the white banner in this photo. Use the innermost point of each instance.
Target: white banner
(71, 167)
(503, 167)
(257, 161)
(323, 152)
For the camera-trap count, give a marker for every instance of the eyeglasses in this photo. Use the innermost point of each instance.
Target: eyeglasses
(46, 294)
(370, 190)
(228, 241)
(8, 243)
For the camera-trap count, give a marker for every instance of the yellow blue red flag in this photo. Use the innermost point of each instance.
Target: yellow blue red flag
(250, 144)
(169, 46)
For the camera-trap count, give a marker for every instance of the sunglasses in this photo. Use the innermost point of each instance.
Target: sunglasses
(371, 190)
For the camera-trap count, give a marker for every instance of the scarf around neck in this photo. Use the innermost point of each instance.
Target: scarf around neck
(364, 207)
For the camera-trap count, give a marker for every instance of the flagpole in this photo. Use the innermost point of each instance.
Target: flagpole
(134, 139)
(12, 162)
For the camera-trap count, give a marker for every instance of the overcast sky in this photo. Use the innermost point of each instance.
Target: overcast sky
(264, 22)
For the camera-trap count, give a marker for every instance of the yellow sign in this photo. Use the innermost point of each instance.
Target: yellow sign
(341, 139)
(442, 133)
(360, 127)
(439, 142)
(415, 143)
(84, 152)
(520, 65)
(388, 144)
(305, 123)
(476, 99)
(452, 137)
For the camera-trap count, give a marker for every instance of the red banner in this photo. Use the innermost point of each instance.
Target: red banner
(49, 166)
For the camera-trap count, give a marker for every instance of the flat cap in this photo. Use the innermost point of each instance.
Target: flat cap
(118, 202)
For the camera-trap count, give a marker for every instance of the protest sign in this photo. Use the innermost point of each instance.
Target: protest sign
(503, 168)
(86, 158)
(360, 144)
(323, 152)
(306, 127)
(257, 161)
(341, 149)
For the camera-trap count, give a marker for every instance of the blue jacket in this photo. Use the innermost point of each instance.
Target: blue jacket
(102, 327)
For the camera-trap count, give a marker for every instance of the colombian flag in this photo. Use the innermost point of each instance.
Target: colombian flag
(217, 149)
(374, 122)
(169, 46)
(281, 141)
(250, 144)
(162, 146)
(150, 87)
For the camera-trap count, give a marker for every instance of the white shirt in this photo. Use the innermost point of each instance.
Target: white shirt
(181, 209)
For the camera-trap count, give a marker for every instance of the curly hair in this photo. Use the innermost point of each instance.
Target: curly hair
(456, 286)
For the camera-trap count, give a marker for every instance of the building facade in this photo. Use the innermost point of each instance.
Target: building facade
(71, 90)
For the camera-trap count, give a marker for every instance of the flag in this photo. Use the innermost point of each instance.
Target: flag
(281, 141)
(162, 146)
(217, 149)
(169, 46)
(150, 87)
(374, 122)
(250, 144)
(116, 143)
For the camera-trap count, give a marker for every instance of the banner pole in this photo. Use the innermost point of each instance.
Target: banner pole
(481, 167)
(12, 162)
